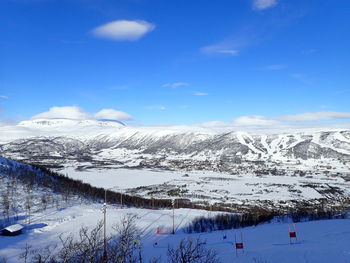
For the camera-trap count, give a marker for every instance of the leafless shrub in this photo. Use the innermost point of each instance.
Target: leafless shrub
(25, 254)
(192, 251)
(88, 247)
(126, 247)
(45, 255)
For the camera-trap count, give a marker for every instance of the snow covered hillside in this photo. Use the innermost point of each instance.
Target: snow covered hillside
(199, 164)
(48, 214)
(102, 143)
(318, 241)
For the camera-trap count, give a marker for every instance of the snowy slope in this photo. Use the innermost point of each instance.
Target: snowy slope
(222, 166)
(95, 137)
(318, 241)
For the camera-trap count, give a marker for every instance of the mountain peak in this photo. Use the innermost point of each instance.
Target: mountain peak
(61, 123)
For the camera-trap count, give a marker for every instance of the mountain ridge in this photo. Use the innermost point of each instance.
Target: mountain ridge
(111, 143)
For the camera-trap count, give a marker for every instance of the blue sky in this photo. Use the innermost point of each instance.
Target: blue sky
(176, 61)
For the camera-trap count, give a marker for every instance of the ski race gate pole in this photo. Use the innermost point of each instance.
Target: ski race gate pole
(239, 245)
(292, 233)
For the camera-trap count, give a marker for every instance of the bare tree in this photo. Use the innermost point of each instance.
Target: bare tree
(25, 254)
(5, 201)
(90, 243)
(13, 185)
(127, 247)
(88, 247)
(44, 201)
(45, 255)
(68, 248)
(29, 200)
(192, 251)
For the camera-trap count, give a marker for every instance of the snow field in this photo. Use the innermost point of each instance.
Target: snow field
(318, 241)
(216, 186)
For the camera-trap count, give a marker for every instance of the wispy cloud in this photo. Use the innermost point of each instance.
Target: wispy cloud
(77, 113)
(252, 32)
(199, 93)
(316, 116)
(255, 120)
(303, 120)
(275, 67)
(3, 97)
(175, 85)
(244, 36)
(220, 49)
(129, 30)
(263, 4)
(112, 114)
(156, 107)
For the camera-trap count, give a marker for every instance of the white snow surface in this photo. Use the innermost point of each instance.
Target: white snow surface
(212, 186)
(318, 241)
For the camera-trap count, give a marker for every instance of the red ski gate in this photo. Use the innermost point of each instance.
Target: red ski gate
(239, 245)
(292, 233)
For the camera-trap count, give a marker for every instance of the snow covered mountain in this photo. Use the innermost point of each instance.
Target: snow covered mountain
(203, 165)
(91, 143)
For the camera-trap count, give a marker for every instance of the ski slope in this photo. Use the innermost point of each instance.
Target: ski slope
(318, 241)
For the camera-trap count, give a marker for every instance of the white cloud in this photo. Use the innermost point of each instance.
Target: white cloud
(198, 93)
(120, 30)
(255, 120)
(220, 49)
(213, 124)
(3, 97)
(175, 85)
(287, 122)
(111, 114)
(263, 4)
(66, 112)
(76, 113)
(316, 116)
